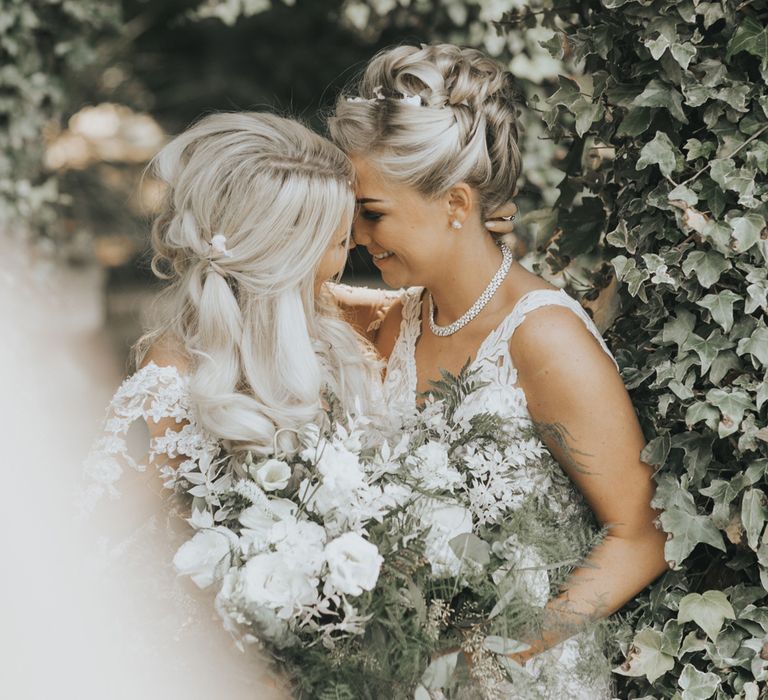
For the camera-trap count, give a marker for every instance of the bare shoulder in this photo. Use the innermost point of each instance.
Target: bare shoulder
(166, 352)
(388, 331)
(554, 338)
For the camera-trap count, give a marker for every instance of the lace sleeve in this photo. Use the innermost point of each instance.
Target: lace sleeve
(154, 394)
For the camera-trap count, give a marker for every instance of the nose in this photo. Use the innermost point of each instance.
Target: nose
(358, 234)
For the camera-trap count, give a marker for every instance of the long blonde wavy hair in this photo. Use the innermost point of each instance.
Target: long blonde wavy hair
(262, 345)
(464, 130)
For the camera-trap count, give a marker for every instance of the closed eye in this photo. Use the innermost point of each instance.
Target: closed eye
(370, 215)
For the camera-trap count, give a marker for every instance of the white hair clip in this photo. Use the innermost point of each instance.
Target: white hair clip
(413, 100)
(219, 244)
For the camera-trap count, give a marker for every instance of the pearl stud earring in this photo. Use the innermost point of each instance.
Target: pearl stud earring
(456, 224)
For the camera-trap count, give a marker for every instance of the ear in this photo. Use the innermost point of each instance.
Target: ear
(461, 199)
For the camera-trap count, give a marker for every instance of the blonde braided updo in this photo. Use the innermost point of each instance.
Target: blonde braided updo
(464, 129)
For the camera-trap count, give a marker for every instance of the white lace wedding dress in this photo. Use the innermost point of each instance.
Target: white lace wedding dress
(164, 626)
(555, 673)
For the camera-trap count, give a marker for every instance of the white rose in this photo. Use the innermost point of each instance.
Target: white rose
(207, 556)
(353, 564)
(340, 468)
(273, 475)
(270, 581)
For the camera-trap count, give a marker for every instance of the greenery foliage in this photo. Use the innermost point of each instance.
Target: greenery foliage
(43, 46)
(673, 98)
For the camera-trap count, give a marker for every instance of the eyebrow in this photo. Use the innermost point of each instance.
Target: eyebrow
(367, 200)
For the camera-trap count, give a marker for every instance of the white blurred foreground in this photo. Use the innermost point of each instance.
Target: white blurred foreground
(89, 609)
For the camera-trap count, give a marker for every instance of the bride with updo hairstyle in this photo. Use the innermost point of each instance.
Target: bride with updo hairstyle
(433, 134)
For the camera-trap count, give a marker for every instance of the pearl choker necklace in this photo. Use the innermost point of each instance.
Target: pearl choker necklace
(481, 302)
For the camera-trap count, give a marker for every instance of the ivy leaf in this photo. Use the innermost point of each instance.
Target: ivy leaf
(697, 149)
(636, 121)
(646, 658)
(659, 151)
(750, 36)
(679, 328)
(659, 94)
(732, 405)
(683, 53)
(708, 610)
(687, 529)
(702, 411)
(746, 231)
(708, 349)
(756, 345)
(656, 451)
(698, 453)
(754, 513)
(720, 305)
(740, 180)
(684, 194)
(567, 94)
(707, 265)
(582, 227)
(696, 684)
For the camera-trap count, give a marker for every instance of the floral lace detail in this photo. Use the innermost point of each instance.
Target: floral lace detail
(400, 382)
(555, 672)
(152, 393)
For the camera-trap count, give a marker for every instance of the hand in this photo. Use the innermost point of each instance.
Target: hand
(501, 221)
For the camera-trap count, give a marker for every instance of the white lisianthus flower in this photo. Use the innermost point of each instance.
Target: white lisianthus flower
(207, 556)
(271, 581)
(353, 565)
(431, 467)
(273, 475)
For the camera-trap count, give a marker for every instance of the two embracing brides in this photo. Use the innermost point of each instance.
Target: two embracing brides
(254, 334)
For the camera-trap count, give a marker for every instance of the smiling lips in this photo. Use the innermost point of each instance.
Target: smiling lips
(382, 256)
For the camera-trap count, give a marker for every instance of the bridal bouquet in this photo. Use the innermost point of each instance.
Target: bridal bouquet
(492, 528)
(366, 561)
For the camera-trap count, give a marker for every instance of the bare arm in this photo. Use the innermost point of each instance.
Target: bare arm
(364, 308)
(585, 417)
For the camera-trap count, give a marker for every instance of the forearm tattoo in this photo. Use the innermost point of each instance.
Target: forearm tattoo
(557, 437)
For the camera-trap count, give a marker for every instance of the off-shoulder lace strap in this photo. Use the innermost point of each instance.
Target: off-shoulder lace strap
(530, 302)
(400, 382)
(152, 393)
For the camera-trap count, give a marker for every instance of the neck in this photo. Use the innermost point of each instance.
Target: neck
(468, 270)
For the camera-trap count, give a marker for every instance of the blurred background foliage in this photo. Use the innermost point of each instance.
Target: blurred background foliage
(644, 192)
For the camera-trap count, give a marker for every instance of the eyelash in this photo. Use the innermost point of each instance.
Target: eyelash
(370, 215)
